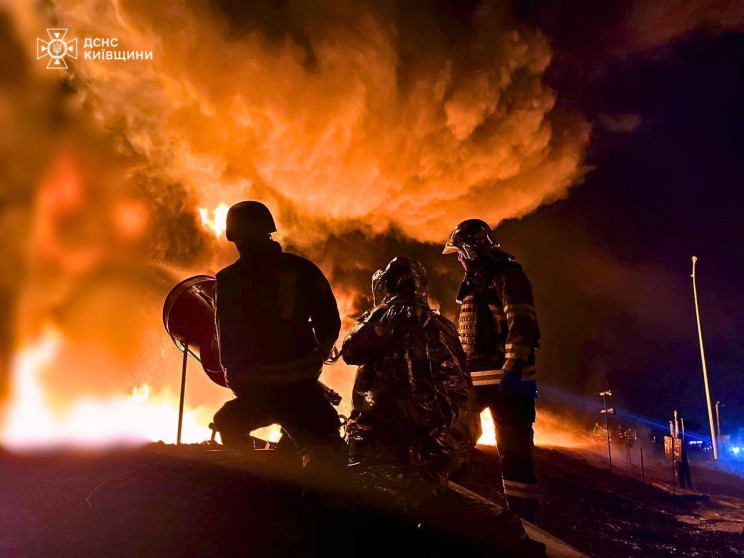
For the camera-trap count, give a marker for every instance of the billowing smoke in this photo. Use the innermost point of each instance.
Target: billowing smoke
(348, 113)
(369, 128)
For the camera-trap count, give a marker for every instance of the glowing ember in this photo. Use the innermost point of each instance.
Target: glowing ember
(218, 221)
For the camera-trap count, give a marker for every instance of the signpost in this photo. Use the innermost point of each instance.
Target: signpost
(607, 412)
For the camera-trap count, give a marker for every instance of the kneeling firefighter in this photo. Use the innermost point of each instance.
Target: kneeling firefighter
(499, 332)
(413, 418)
(277, 321)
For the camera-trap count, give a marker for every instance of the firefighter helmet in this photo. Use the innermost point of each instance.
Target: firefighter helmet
(471, 238)
(247, 220)
(402, 278)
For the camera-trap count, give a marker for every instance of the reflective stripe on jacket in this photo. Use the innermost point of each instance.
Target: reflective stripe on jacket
(498, 324)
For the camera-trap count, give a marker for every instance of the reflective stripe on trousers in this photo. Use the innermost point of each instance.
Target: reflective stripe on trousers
(521, 489)
(494, 377)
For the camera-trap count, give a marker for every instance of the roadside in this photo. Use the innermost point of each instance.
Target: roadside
(608, 515)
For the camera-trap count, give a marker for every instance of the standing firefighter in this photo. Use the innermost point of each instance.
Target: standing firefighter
(277, 321)
(499, 332)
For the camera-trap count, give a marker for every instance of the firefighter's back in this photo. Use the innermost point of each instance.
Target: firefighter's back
(264, 309)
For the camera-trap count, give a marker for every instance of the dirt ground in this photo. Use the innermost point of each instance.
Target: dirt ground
(189, 501)
(608, 515)
(163, 501)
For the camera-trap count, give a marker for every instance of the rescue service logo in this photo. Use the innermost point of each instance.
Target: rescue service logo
(56, 48)
(94, 48)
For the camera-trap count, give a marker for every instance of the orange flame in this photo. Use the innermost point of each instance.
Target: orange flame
(217, 223)
(550, 431)
(138, 417)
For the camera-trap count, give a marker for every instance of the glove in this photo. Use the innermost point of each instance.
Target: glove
(511, 383)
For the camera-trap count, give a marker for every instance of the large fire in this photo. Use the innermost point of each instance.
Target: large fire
(136, 417)
(352, 131)
(142, 415)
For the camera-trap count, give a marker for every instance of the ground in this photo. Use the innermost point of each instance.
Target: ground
(166, 501)
(615, 514)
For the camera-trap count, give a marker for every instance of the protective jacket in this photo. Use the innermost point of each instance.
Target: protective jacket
(413, 408)
(277, 317)
(498, 323)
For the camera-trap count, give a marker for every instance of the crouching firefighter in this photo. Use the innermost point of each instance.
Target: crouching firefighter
(413, 410)
(413, 417)
(499, 333)
(277, 321)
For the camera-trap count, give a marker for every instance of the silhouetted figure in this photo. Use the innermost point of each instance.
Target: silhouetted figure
(683, 469)
(413, 418)
(499, 333)
(277, 321)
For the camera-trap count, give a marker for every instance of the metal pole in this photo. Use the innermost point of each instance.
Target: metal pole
(674, 460)
(718, 419)
(183, 393)
(607, 429)
(643, 468)
(702, 358)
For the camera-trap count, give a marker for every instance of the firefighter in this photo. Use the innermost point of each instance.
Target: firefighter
(413, 417)
(499, 333)
(277, 321)
(412, 406)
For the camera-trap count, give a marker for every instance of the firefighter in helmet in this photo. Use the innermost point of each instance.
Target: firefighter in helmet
(277, 321)
(499, 332)
(413, 414)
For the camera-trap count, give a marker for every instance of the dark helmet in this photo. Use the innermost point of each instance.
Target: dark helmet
(249, 220)
(402, 278)
(471, 238)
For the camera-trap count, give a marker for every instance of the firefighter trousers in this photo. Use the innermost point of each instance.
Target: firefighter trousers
(301, 408)
(513, 417)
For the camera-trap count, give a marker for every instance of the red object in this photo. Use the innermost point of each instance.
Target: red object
(189, 319)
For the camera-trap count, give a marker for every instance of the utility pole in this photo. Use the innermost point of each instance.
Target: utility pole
(718, 419)
(607, 412)
(674, 459)
(702, 358)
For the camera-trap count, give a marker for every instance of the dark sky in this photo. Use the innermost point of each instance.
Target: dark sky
(611, 264)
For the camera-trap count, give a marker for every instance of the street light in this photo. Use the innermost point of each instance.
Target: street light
(702, 358)
(607, 412)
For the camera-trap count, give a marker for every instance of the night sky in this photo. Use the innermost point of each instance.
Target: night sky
(611, 264)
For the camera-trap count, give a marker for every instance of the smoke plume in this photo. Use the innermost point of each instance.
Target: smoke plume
(369, 128)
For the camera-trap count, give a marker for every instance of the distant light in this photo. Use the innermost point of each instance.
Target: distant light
(736, 450)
